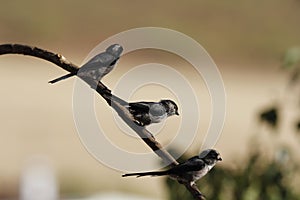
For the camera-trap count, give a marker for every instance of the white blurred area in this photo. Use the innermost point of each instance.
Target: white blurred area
(115, 196)
(38, 180)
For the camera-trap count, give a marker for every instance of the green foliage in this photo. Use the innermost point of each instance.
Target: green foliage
(257, 177)
(291, 58)
(291, 61)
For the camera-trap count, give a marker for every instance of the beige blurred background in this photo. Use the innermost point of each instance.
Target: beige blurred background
(246, 39)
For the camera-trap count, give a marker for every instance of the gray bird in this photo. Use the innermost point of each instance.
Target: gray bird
(191, 170)
(98, 66)
(146, 113)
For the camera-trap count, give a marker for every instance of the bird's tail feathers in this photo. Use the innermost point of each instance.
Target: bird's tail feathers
(157, 173)
(61, 78)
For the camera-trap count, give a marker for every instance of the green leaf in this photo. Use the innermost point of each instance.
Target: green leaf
(291, 58)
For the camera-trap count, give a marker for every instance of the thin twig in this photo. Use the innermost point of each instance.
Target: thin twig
(115, 102)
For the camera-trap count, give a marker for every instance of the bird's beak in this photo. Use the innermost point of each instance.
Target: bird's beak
(177, 113)
(219, 158)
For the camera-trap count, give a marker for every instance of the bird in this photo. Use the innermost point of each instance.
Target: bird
(189, 171)
(146, 113)
(98, 66)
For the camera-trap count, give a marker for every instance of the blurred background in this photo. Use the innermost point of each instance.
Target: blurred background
(255, 44)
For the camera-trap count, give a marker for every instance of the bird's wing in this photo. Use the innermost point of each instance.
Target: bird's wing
(101, 60)
(193, 158)
(139, 107)
(192, 164)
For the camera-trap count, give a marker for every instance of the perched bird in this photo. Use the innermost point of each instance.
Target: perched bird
(146, 113)
(98, 66)
(191, 170)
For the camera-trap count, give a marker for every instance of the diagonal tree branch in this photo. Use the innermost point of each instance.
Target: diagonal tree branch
(115, 102)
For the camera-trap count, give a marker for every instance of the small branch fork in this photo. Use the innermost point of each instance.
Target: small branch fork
(115, 102)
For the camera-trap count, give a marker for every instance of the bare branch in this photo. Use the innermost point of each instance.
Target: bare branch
(40, 53)
(115, 102)
(194, 191)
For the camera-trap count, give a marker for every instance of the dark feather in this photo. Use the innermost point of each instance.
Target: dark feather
(61, 78)
(139, 107)
(157, 173)
(193, 164)
(102, 60)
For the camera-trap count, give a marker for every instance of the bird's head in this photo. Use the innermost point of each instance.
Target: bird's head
(210, 156)
(170, 106)
(115, 50)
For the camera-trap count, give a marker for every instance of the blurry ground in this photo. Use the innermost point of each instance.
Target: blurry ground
(245, 39)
